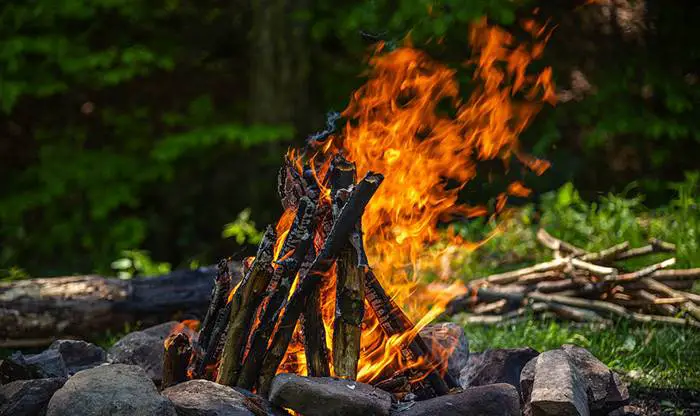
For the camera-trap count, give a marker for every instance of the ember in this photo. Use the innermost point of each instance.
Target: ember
(332, 289)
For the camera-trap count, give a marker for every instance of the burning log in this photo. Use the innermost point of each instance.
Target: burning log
(335, 242)
(244, 303)
(178, 352)
(299, 239)
(218, 300)
(349, 302)
(317, 355)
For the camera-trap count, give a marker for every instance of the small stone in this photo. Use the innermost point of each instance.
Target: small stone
(28, 397)
(140, 348)
(608, 391)
(496, 366)
(320, 396)
(115, 390)
(448, 337)
(527, 378)
(492, 400)
(558, 388)
(15, 368)
(79, 355)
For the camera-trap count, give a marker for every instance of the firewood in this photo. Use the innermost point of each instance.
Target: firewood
(337, 239)
(659, 287)
(489, 308)
(349, 301)
(654, 246)
(557, 286)
(218, 300)
(512, 276)
(534, 278)
(313, 329)
(393, 321)
(244, 303)
(673, 284)
(602, 271)
(299, 238)
(204, 367)
(176, 359)
(290, 185)
(576, 314)
(643, 318)
(683, 274)
(558, 245)
(626, 277)
(393, 384)
(607, 254)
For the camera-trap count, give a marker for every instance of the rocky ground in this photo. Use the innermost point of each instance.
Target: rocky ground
(76, 377)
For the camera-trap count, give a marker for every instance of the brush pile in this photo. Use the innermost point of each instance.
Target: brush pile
(586, 287)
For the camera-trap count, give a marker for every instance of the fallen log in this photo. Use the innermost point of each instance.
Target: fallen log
(85, 306)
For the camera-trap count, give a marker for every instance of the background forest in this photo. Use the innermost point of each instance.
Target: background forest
(138, 130)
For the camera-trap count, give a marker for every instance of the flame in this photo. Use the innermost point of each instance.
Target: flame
(409, 122)
(396, 126)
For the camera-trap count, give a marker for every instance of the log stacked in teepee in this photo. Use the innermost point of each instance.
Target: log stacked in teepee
(248, 328)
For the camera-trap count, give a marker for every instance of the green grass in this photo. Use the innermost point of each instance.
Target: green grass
(645, 355)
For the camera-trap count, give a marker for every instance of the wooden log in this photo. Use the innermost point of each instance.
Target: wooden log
(512, 276)
(607, 254)
(349, 301)
(85, 306)
(558, 245)
(691, 307)
(335, 242)
(299, 239)
(534, 278)
(576, 314)
(646, 271)
(558, 286)
(219, 295)
(244, 303)
(673, 284)
(176, 358)
(654, 246)
(601, 271)
(313, 329)
(676, 274)
(204, 367)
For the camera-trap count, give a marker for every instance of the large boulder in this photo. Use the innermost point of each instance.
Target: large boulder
(448, 337)
(28, 397)
(496, 366)
(206, 398)
(608, 392)
(115, 390)
(79, 355)
(555, 386)
(143, 348)
(492, 400)
(320, 396)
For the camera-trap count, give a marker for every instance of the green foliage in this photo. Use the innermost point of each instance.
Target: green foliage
(590, 225)
(138, 263)
(659, 356)
(243, 229)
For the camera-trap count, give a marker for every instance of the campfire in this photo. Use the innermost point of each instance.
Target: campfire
(333, 290)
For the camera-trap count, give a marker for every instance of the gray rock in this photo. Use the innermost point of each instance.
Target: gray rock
(79, 355)
(28, 397)
(607, 390)
(48, 364)
(449, 337)
(140, 348)
(161, 330)
(258, 402)
(558, 388)
(328, 396)
(496, 366)
(206, 398)
(15, 368)
(115, 390)
(527, 378)
(492, 400)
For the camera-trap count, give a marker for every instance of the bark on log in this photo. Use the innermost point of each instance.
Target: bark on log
(176, 359)
(84, 306)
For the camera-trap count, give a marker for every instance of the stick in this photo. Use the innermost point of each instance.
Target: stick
(558, 245)
(213, 350)
(176, 358)
(576, 314)
(314, 331)
(606, 255)
(336, 240)
(593, 268)
(557, 286)
(512, 276)
(654, 246)
(683, 274)
(535, 278)
(244, 303)
(627, 277)
(689, 306)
